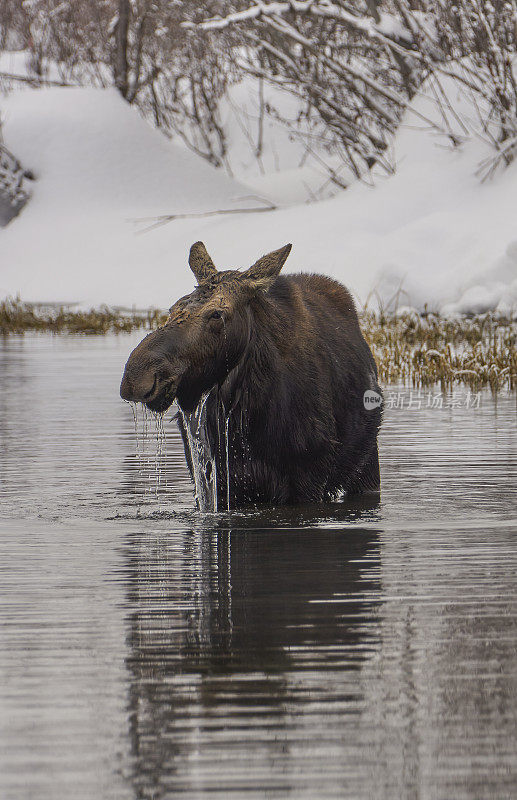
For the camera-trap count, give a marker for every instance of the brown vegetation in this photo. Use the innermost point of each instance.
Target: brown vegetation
(422, 350)
(19, 317)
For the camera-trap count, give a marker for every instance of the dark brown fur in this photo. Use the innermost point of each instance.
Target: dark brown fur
(286, 368)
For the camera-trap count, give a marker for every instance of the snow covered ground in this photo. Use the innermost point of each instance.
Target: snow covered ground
(430, 234)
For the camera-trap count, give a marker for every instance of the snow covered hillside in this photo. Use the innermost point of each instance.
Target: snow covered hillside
(431, 234)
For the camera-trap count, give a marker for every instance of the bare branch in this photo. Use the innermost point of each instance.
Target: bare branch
(163, 219)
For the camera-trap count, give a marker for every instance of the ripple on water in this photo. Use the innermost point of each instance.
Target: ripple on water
(148, 650)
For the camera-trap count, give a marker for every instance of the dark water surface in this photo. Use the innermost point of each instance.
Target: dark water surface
(151, 651)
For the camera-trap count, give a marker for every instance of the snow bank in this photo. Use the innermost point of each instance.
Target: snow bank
(430, 234)
(98, 165)
(287, 169)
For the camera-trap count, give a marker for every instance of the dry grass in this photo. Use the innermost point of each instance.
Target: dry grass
(19, 317)
(423, 350)
(414, 350)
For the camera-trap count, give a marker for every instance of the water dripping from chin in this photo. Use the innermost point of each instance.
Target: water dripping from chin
(204, 467)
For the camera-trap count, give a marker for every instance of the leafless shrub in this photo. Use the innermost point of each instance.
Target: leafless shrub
(358, 65)
(478, 42)
(355, 65)
(138, 46)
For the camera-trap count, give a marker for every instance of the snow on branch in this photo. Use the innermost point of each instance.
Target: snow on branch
(359, 79)
(13, 194)
(389, 29)
(360, 72)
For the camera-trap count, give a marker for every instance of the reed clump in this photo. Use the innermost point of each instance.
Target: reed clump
(422, 350)
(19, 317)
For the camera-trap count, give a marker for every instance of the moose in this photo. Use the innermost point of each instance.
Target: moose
(271, 375)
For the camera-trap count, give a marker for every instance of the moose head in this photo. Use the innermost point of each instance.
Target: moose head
(205, 335)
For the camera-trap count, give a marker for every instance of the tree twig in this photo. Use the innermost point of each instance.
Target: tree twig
(34, 79)
(163, 219)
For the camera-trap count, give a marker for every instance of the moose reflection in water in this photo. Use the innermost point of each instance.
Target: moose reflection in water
(234, 625)
(270, 374)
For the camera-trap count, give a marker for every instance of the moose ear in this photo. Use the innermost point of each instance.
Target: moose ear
(264, 271)
(200, 262)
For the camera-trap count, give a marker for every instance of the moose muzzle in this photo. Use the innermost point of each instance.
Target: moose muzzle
(150, 375)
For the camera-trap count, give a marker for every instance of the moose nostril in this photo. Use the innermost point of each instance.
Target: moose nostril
(137, 389)
(150, 393)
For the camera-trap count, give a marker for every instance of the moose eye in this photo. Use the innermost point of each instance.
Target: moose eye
(216, 315)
